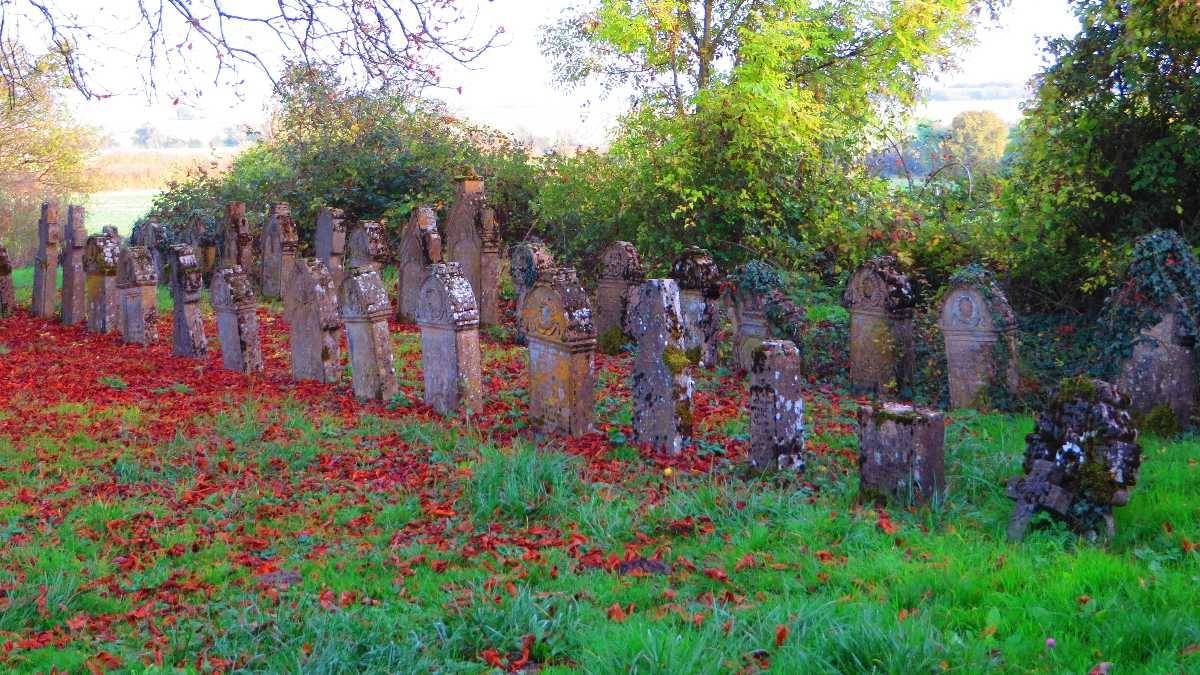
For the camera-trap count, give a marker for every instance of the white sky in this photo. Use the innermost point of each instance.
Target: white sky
(511, 86)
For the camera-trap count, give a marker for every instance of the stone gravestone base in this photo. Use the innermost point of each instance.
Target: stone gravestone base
(237, 320)
(901, 453)
(776, 408)
(137, 284)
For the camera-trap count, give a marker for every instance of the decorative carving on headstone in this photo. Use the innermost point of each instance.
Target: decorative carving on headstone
(149, 233)
(699, 281)
(981, 340)
(464, 240)
(1081, 460)
(364, 308)
(662, 378)
(45, 264)
(101, 252)
(330, 244)
(419, 239)
(365, 245)
(562, 343)
(882, 351)
(279, 243)
(450, 355)
(312, 317)
(620, 272)
(527, 261)
(237, 320)
(186, 283)
(8, 299)
(489, 268)
(74, 285)
(901, 453)
(776, 408)
(137, 285)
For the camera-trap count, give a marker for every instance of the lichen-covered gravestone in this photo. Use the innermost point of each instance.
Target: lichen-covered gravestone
(279, 242)
(149, 233)
(45, 264)
(699, 281)
(74, 286)
(238, 248)
(100, 255)
(464, 240)
(749, 320)
(312, 317)
(1081, 460)
(981, 340)
(662, 378)
(882, 352)
(527, 261)
(450, 356)
(620, 273)
(186, 283)
(137, 285)
(8, 299)
(776, 408)
(237, 320)
(562, 344)
(901, 453)
(330, 244)
(417, 238)
(365, 245)
(489, 268)
(364, 307)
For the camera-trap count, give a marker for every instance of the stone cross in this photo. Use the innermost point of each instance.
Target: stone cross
(662, 372)
(450, 356)
(620, 272)
(882, 352)
(237, 320)
(101, 253)
(330, 244)
(699, 281)
(45, 265)
(364, 307)
(776, 408)
(980, 333)
(365, 245)
(137, 285)
(238, 240)
(312, 317)
(279, 242)
(489, 267)
(1161, 370)
(8, 300)
(74, 286)
(464, 240)
(527, 261)
(750, 325)
(419, 239)
(901, 453)
(557, 319)
(186, 283)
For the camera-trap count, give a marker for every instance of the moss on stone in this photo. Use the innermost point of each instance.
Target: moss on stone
(676, 360)
(1160, 421)
(611, 341)
(1076, 388)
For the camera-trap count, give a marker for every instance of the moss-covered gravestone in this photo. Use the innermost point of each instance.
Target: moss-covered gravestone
(237, 320)
(776, 408)
(980, 331)
(8, 299)
(662, 380)
(620, 273)
(74, 281)
(450, 354)
(330, 242)
(45, 263)
(137, 285)
(312, 317)
(186, 283)
(100, 256)
(901, 453)
(699, 281)
(527, 262)
(562, 343)
(364, 308)
(413, 260)
(882, 352)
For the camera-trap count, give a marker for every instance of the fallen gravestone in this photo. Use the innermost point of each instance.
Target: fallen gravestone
(450, 355)
(330, 244)
(562, 342)
(137, 285)
(882, 351)
(699, 281)
(981, 340)
(364, 308)
(45, 264)
(776, 408)
(662, 372)
(186, 283)
(901, 454)
(312, 317)
(101, 252)
(74, 282)
(620, 273)
(234, 303)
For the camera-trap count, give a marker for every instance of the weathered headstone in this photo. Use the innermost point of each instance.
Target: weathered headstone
(662, 372)
(1081, 460)
(450, 356)
(882, 352)
(699, 281)
(149, 233)
(312, 317)
(489, 268)
(620, 273)
(279, 243)
(562, 343)
(74, 285)
(1161, 371)
(901, 453)
(100, 256)
(527, 261)
(419, 239)
(776, 408)
(330, 244)
(364, 308)
(365, 245)
(186, 283)
(137, 285)
(464, 240)
(8, 299)
(237, 239)
(981, 341)
(750, 325)
(233, 301)
(45, 265)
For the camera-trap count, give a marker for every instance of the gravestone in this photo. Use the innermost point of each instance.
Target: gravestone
(699, 281)
(419, 239)
(901, 453)
(137, 285)
(45, 264)
(237, 239)
(750, 325)
(279, 242)
(365, 245)
(1161, 371)
(186, 283)
(101, 252)
(8, 299)
(882, 351)
(464, 239)
(149, 233)
(1081, 460)
(662, 372)
(234, 303)
(562, 344)
(74, 282)
(981, 341)
(776, 408)
(312, 317)
(450, 357)
(527, 261)
(364, 308)
(330, 244)
(620, 273)
(489, 268)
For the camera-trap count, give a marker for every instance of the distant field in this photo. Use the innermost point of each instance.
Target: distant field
(120, 208)
(152, 169)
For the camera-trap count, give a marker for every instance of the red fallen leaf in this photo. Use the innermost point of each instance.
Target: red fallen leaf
(669, 594)
(1100, 668)
(716, 574)
(346, 598)
(1193, 648)
(103, 662)
(884, 522)
(1083, 600)
(439, 565)
(698, 619)
(746, 561)
(511, 588)
(727, 626)
(781, 635)
(76, 622)
(41, 601)
(491, 657)
(908, 613)
(617, 614)
(326, 599)
(1189, 546)
(824, 556)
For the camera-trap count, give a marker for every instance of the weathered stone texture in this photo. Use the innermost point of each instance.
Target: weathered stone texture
(699, 281)
(776, 408)
(365, 245)
(981, 340)
(450, 355)
(186, 283)
(330, 244)
(750, 326)
(901, 453)
(882, 351)
(662, 378)
(238, 240)
(312, 317)
(8, 299)
(489, 268)
(237, 320)
(74, 284)
(620, 272)
(1161, 371)
(279, 243)
(150, 234)
(101, 252)
(419, 240)
(527, 262)
(45, 264)
(562, 342)
(464, 239)
(137, 285)
(364, 307)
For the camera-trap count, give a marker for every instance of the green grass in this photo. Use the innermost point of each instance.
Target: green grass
(120, 209)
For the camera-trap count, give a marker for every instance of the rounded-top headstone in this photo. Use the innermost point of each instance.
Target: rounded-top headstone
(365, 244)
(879, 287)
(446, 298)
(976, 307)
(558, 310)
(695, 270)
(621, 261)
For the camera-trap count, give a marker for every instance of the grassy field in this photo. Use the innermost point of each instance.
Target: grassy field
(121, 209)
(160, 514)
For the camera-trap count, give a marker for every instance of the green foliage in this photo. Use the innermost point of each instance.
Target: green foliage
(521, 482)
(977, 140)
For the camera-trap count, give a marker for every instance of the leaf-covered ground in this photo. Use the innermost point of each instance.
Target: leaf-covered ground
(159, 514)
